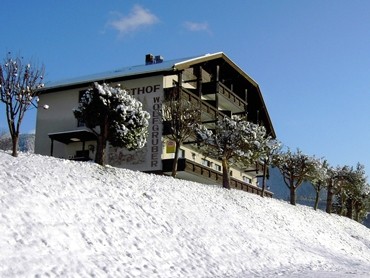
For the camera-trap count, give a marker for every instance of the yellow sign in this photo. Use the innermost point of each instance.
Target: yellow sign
(170, 147)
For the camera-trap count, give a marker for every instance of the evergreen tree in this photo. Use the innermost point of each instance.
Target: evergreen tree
(113, 116)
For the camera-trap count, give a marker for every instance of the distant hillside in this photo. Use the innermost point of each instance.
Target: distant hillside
(26, 142)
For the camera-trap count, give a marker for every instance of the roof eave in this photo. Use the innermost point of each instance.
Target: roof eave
(100, 78)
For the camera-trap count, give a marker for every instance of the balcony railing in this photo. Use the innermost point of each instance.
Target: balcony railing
(209, 111)
(227, 95)
(206, 172)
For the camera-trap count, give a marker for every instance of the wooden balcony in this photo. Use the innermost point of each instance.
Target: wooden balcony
(209, 111)
(227, 98)
(211, 175)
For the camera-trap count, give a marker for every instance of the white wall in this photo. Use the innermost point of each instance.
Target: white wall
(59, 117)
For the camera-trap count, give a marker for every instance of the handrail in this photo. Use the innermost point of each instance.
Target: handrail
(217, 176)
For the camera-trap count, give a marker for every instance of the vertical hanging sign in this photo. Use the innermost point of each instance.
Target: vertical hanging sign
(149, 91)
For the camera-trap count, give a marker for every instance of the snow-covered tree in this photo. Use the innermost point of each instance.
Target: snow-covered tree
(234, 141)
(181, 116)
(20, 84)
(336, 177)
(352, 191)
(295, 168)
(269, 152)
(113, 116)
(362, 205)
(318, 179)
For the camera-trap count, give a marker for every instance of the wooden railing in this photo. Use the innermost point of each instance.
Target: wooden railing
(230, 95)
(208, 111)
(198, 169)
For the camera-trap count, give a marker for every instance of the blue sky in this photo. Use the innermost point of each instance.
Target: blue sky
(311, 58)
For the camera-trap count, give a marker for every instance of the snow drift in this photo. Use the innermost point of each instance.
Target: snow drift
(61, 218)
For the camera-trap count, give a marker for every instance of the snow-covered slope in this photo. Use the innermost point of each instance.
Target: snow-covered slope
(70, 219)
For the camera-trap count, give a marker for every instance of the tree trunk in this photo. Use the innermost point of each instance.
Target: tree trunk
(15, 139)
(317, 198)
(225, 174)
(349, 206)
(342, 204)
(100, 150)
(329, 198)
(293, 197)
(264, 180)
(102, 142)
(175, 160)
(357, 211)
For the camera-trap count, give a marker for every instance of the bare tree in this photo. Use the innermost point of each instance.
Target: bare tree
(181, 116)
(20, 84)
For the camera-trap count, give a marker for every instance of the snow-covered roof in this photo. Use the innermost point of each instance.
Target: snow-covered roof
(127, 71)
(175, 64)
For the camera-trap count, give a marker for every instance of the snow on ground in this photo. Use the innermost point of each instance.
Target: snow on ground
(60, 218)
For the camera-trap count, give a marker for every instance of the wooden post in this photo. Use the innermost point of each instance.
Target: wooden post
(217, 84)
(52, 147)
(246, 101)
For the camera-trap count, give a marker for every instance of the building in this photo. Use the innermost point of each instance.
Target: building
(213, 80)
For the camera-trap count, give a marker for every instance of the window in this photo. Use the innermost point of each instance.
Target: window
(193, 155)
(218, 167)
(181, 153)
(206, 162)
(247, 179)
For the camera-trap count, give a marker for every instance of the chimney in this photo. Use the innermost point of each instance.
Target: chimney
(158, 59)
(150, 59)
